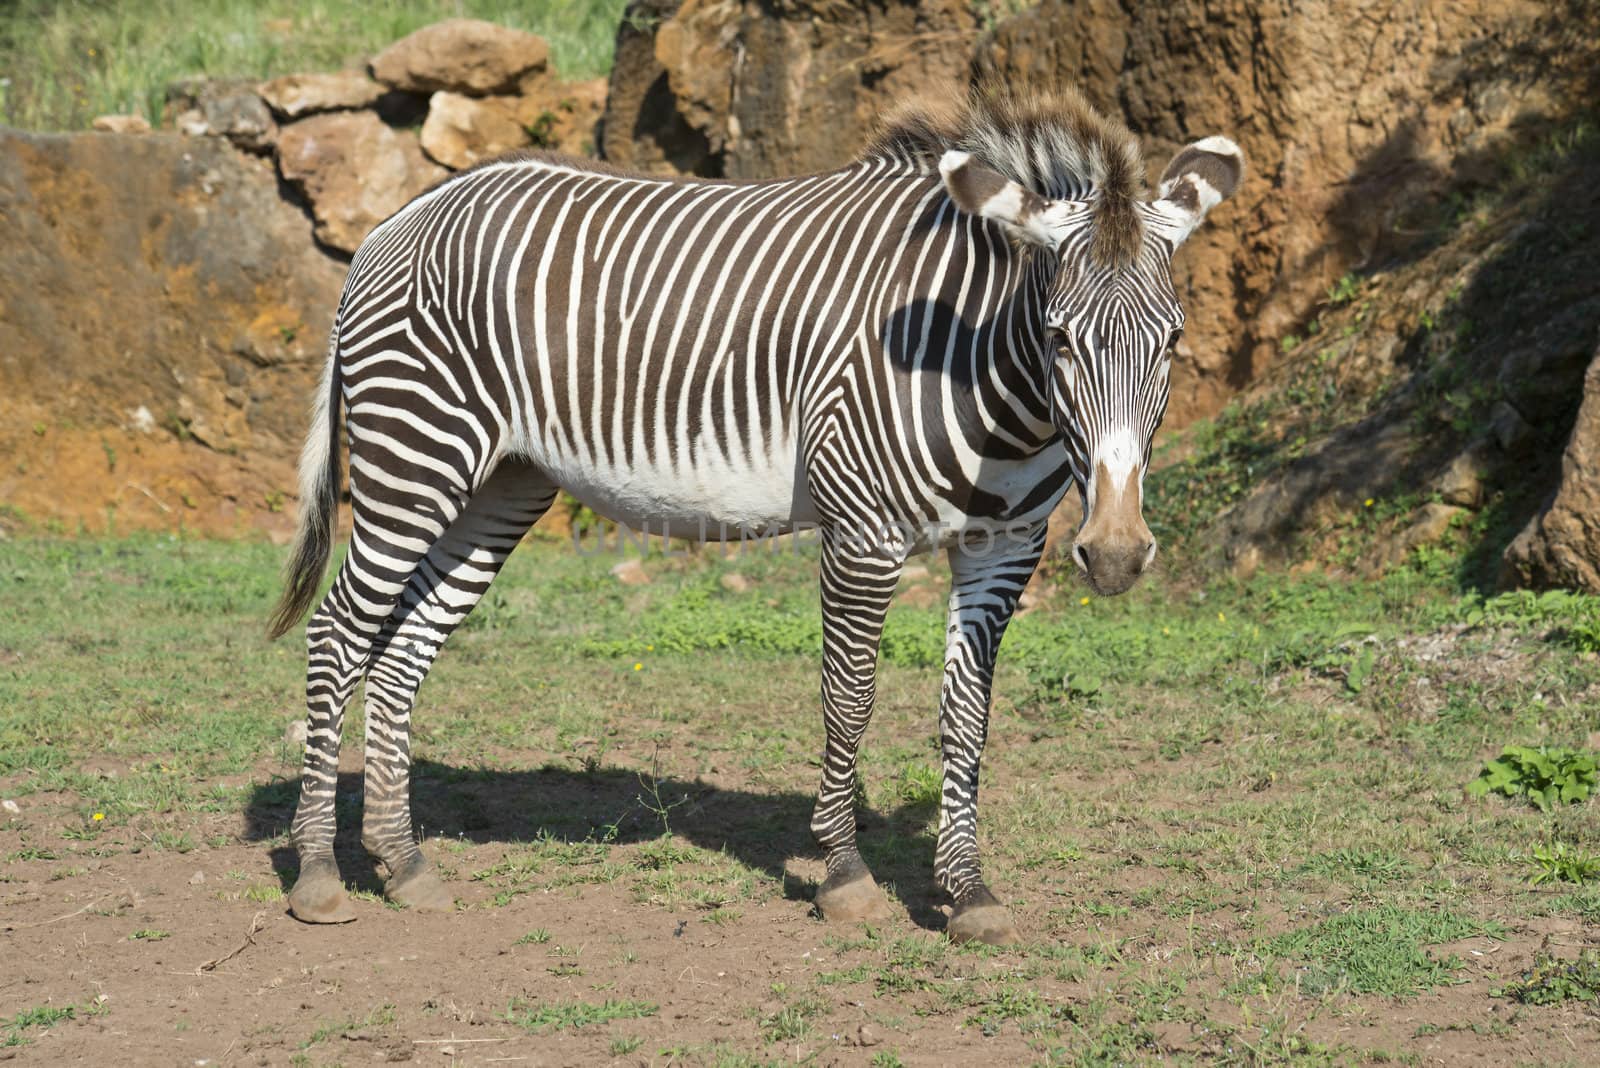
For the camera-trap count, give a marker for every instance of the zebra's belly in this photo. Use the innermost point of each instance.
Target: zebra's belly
(710, 501)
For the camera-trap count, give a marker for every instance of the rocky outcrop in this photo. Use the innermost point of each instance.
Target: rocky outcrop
(462, 56)
(1561, 545)
(1433, 403)
(753, 90)
(162, 322)
(355, 172)
(1359, 120)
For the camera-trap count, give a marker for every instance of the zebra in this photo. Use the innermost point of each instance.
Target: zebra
(924, 349)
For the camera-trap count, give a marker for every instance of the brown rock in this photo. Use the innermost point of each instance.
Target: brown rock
(354, 170)
(1428, 526)
(1349, 120)
(1561, 545)
(129, 268)
(296, 95)
(1461, 483)
(461, 56)
(462, 130)
(231, 109)
(121, 124)
(734, 582)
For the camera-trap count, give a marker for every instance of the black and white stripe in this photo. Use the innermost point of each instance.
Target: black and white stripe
(861, 349)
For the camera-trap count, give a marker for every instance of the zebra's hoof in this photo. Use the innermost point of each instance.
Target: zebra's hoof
(318, 896)
(423, 891)
(856, 900)
(983, 919)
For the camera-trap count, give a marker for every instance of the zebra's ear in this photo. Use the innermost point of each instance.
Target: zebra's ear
(978, 190)
(1200, 177)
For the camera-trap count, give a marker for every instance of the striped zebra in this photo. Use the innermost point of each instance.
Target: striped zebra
(923, 349)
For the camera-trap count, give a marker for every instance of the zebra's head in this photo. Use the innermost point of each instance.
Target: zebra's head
(1112, 319)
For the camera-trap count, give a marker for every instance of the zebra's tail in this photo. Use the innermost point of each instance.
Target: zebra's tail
(319, 502)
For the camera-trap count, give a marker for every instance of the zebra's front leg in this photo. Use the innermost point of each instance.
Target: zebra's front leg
(446, 586)
(858, 581)
(987, 579)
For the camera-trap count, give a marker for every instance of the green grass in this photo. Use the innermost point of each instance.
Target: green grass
(1376, 951)
(1207, 826)
(574, 1014)
(61, 64)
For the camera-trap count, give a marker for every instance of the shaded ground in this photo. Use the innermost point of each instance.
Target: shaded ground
(1242, 839)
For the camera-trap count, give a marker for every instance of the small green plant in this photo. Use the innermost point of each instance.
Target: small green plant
(920, 785)
(149, 934)
(538, 937)
(1551, 981)
(623, 1045)
(558, 1014)
(1344, 290)
(1545, 776)
(1557, 863)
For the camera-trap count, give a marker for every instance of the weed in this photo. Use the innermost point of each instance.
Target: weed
(1558, 863)
(1545, 776)
(537, 937)
(1551, 981)
(149, 934)
(555, 1015)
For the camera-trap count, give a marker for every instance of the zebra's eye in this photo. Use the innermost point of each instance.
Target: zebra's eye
(1173, 339)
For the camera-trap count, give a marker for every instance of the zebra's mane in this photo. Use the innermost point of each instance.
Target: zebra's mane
(1051, 143)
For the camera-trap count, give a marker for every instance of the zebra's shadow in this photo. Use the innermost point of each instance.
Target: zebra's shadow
(614, 807)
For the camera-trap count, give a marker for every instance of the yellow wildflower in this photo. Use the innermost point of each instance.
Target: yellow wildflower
(1367, 503)
(1084, 601)
(98, 816)
(1221, 618)
(638, 667)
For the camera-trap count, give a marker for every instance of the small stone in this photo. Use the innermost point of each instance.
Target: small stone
(197, 878)
(121, 124)
(1510, 429)
(867, 1035)
(11, 806)
(1461, 483)
(734, 582)
(295, 733)
(631, 572)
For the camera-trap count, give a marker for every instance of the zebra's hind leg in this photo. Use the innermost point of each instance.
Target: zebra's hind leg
(858, 582)
(446, 586)
(384, 551)
(984, 591)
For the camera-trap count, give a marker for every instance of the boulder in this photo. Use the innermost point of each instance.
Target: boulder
(462, 130)
(133, 272)
(354, 170)
(1561, 545)
(771, 89)
(642, 128)
(206, 108)
(1355, 127)
(121, 124)
(462, 56)
(295, 96)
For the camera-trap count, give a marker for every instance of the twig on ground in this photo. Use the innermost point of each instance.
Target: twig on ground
(257, 923)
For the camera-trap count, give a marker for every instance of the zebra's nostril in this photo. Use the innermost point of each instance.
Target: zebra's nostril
(1081, 556)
